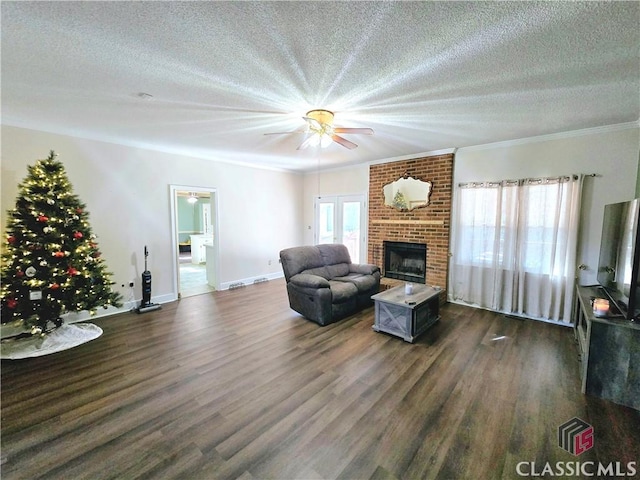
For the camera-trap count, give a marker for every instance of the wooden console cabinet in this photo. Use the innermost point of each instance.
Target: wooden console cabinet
(609, 352)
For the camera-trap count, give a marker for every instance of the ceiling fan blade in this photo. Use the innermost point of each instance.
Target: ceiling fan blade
(344, 142)
(313, 123)
(306, 143)
(363, 131)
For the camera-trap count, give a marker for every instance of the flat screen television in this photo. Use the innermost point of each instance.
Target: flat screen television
(620, 257)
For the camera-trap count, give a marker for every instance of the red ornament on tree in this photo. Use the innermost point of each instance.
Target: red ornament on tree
(19, 273)
(12, 303)
(54, 286)
(11, 239)
(43, 218)
(72, 271)
(77, 235)
(58, 254)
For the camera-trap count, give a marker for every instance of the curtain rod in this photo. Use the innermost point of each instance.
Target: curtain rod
(497, 183)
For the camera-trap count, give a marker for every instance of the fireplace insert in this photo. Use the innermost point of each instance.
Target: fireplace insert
(405, 261)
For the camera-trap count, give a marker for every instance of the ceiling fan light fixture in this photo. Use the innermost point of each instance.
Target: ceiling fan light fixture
(314, 140)
(325, 140)
(321, 128)
(323, 117)
(321, 132)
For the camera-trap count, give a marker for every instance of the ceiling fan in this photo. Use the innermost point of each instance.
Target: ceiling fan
(322, 132)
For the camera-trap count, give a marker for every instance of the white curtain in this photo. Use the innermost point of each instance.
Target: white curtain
(514, 246)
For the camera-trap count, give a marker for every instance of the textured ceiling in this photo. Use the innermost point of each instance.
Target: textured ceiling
(425, 76)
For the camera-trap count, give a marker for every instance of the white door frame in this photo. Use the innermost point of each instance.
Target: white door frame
(338, 201)
(173, 195)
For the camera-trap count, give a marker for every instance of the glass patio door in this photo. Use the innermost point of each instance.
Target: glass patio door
(340, 219)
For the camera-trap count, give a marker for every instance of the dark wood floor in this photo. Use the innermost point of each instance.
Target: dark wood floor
(236, 385)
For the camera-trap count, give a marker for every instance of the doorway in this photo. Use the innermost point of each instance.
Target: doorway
(195, 239)
(341, 219)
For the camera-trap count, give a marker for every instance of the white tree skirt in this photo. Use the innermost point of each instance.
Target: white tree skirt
(63, 338)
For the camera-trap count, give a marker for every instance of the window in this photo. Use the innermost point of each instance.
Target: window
(514, 245)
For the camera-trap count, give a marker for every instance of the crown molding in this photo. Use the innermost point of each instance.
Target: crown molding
(411, 156)
(350, 166)
(555, 136)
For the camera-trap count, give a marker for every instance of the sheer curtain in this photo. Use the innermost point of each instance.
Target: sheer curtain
(514, 246)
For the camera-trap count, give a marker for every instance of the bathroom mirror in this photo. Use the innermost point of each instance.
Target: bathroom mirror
(407, 193)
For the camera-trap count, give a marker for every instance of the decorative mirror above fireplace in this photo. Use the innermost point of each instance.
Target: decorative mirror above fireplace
(407, 193)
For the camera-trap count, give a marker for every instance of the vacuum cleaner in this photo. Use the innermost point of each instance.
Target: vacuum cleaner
(145, 304)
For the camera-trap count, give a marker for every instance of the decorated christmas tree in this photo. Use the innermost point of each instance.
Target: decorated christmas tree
(399, 201)
(51, 263)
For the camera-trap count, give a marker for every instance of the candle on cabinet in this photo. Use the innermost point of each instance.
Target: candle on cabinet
(600, 306)
(408, 289)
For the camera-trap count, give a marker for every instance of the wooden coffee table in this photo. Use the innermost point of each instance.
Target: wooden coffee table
(406, 316)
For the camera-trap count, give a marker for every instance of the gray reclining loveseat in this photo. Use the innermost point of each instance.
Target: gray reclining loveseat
(323, 285)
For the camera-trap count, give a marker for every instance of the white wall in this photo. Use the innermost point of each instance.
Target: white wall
(126, 191)
(610, 152)
(339, 181)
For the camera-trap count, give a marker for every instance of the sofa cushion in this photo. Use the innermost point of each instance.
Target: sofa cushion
(298, 259)
(338, 270)
(309, 281)
(364, 283)
(333, 253)
(342, 291)
(318, 271)
(364, 268)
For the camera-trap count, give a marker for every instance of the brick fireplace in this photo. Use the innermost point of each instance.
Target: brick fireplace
(405, 261)
(428, 225)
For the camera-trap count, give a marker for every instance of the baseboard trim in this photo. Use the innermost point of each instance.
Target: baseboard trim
(513, 316)
(249, 280)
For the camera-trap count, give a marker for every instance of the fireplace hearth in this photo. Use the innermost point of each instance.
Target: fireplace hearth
(405, 261)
